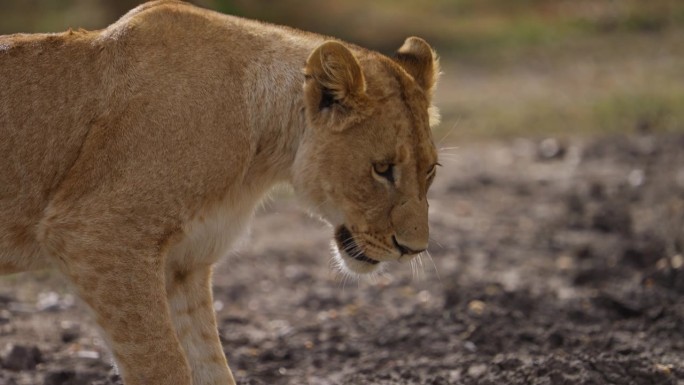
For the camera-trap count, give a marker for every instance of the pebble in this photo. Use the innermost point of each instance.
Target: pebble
(470, 346)
(550, 148)
(665, 369)
(477, 370)
(476, 307)
(90, 354)
(636, 177)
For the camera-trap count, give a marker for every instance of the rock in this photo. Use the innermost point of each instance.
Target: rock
(20, 357)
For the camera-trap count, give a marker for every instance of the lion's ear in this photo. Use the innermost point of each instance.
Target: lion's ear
(335, 87)
(420, 61)
(337, 72)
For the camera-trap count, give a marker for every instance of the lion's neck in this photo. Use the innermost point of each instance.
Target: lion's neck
(276, 114)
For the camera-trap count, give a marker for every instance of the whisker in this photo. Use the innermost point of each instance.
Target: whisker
(453, 127)
(454, 160)
(357, 251)
(453, 155)
(448, 148)
(344, 281)
(383, 274)
(373, 278)
(357, 254)
(332, 265)
(421, 271)
(436, 241)
(342, 274)
(427, 252)
(413, 270)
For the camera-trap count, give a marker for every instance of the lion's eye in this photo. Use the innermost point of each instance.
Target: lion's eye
(384, 170)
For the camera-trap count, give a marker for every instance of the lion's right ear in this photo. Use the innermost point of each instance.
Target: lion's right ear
(420, 61)
(335, 89)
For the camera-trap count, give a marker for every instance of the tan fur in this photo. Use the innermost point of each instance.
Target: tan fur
(133, 158)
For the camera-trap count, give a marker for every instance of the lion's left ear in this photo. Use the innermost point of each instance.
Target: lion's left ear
(335, 88)
(420, 61)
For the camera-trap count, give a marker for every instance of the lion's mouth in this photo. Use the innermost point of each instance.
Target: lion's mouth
(346, 243)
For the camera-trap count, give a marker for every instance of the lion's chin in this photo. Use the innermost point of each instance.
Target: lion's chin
(350, 257)
(349, 265)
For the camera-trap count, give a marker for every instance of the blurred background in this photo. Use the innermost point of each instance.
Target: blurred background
(511, 67)
(556, 223)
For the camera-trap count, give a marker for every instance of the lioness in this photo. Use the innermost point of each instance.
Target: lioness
(132, 158)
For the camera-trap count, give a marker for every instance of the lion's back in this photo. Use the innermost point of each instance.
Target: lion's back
(47, 99)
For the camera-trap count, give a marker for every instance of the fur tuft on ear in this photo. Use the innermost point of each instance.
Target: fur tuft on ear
(420, 61)
(335, 86)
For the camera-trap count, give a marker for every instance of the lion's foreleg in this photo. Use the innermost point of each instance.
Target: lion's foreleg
(192, 312)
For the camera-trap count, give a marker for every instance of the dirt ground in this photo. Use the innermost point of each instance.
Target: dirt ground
(552, 262)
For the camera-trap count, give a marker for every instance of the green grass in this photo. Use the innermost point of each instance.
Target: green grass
(642, 111)
(615, 83)
(652, 111)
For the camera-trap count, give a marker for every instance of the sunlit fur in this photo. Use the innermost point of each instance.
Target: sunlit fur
(133, 158)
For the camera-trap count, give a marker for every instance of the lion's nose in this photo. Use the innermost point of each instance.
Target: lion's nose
(410, 224)
(403, 249)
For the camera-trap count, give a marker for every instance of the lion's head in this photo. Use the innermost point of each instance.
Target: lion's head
(368, 158)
